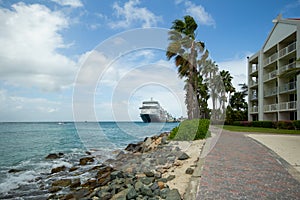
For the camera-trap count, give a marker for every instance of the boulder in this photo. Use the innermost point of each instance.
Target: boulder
(14, 170)
(62, 182)
(58, 169)
(52, 156)
(85, 160)
(173, 195)
(183, 156)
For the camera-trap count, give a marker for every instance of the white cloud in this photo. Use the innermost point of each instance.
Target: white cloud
(30, 37)
(71, 3)
(198, 12)
(131, 14)
(20, 108)
(237, 68)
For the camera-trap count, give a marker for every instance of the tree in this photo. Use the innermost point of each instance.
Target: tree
(185, 49)
(226, 78)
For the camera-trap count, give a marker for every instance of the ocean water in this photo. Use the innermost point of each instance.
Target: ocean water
(24, 146)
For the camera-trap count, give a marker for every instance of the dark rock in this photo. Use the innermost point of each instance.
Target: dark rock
(54, 189)
(146, 191)
(60, 154)
(104, 195)
(131, 194)
(164, 192)
(154, 186)
(75, 183)
(52, 156)
(88, 153)
(138, 186)
(14, 170)
(62, 182)
(171, 177)
(121, 195)
(79, 194)
(189, 171)
(147, 180)
(183, 156)
(85, 160)
(58, 169)
(149, 174)
(73, 169)
(69, 196)
(116, 174)
(173, 195)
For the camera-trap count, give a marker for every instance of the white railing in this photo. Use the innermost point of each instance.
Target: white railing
(270, 75)
(253, 68)
(254, 109)
(288, 105)
(271, 59)
(271, 107)
(287, 67)
(287, 49)
(287, 87)
(270, 92)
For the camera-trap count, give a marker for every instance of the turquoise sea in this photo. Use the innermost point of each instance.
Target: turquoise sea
(24, 146)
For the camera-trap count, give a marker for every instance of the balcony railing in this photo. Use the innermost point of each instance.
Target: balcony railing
(253, 97)
(254, 109)
(288, 105)
(253, 68)
(252, 83)
(270, 75)
(287, 67)
(287, 87)
(271, 59)
(287, 49)
(270, 92)
(271, 107)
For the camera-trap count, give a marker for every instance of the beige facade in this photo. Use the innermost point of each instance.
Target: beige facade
(273, 80)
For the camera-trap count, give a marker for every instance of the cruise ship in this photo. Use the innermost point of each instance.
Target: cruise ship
(151, 111)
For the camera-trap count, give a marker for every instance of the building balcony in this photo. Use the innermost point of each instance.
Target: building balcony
(254, 109)
(271, 108)
(254, 69)
(287, 50)
(288, 87)
(287, 67)
(286, 106)
(253, 97)
(253, 83)
(271, 59)
(270, 92)
(270, 76)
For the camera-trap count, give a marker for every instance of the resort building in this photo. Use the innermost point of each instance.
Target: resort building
(274, 74)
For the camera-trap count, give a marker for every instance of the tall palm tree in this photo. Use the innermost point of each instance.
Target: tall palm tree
(184, 48)
(227, 78)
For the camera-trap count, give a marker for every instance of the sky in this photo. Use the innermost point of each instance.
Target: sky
(65, 60)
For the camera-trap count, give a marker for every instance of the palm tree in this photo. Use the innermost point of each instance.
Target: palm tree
(244, 88)
(185, 49)
(227, 78)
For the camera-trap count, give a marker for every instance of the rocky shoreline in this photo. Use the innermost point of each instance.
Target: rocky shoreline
(153, 169)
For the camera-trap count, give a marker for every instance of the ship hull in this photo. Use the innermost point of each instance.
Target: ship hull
(148, 118)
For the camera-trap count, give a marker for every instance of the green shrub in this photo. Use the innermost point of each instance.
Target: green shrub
(173, 132)
(202, 131)
(285, 125)
(263, 124)
(296, 124)
(236, 123)
(191, 130)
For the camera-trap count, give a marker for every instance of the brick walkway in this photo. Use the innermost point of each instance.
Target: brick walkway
(240, 168)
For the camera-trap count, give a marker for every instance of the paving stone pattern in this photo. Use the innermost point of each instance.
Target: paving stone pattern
(241, 168)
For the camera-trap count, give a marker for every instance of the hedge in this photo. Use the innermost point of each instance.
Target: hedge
(191, 130)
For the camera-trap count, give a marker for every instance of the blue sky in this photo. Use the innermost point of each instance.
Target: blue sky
(86, 60)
